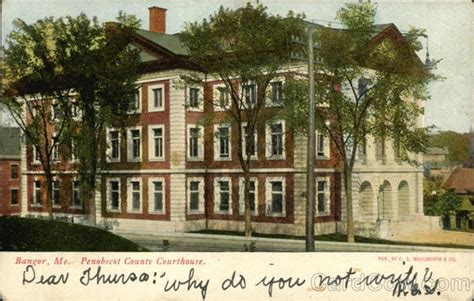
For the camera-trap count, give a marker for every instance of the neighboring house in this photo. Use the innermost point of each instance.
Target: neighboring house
(461, 181)
(171, 174)
(10, 188)
(436, 157)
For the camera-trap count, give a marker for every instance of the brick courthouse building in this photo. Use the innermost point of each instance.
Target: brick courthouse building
(167, 173)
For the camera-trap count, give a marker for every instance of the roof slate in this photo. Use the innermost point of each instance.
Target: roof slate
(9, 141)
(461, 180)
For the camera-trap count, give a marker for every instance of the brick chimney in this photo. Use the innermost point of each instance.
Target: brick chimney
(157, 19)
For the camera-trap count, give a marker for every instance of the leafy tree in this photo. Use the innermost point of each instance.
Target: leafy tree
(103, 71)
(85, 67)
(242, 47)
(437, 201)
(33, 81)
(457, 144)
(362, 88)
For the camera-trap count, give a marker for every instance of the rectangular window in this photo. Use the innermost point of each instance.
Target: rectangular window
(36, 154)
(222, 195)
(322, 196)
(320, 142)
(74, 110)
(114, 194)
(277, 197)
(14, 171)
(250, 95)
(135, 195)
(223, 97)
(73, 148)
(57, 111)
(14, 197)
(56, 193)
(76, 196)
(223, 142)
(194, 195)
(157, 195)
(277, 93)
(193, 98)
(114, 144)
(158, 142)
(194, 143)
(249, 142)
(276, 139)
(380, 150)
(157, 97)
(36, 193)
(136, 101)
(134, 144)
(252, 195)
(55, 154)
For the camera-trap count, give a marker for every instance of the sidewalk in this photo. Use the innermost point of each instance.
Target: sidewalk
(193, 242)
(441, 237)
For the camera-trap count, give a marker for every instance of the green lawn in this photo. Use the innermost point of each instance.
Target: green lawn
(338, 238)
(24, 234)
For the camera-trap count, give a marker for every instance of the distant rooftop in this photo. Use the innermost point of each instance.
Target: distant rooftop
(437, 151)
(461, 180)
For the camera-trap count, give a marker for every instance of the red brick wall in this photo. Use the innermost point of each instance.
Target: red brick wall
(6, 184)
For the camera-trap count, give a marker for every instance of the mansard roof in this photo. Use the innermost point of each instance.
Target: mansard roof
(9, 142)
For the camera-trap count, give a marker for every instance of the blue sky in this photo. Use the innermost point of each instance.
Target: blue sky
(449, 25)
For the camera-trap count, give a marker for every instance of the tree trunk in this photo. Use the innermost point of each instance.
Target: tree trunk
(91, 200)
(347, 173)
(248, 215)
(49, 193)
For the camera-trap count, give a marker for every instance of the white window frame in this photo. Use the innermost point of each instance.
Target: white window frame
(73, 158)
(200, 156)
(58, 205)
(241, 196)
(327, 195)
(151, 99)
(109, 191)
(244, 145)
(200, 99)
(268, 141)
(130, 192)
(36, 193)
(76, 112)
(201, 195)
(55, 154)
(326, 151)
(140, 105)
(217, 195)
(151, 195)
(54, 103)
(269, 98)
(268, 196)
(151, 142)
(109, 145)
(216, 98)
(130, 144)
(244, 94)
(217, 142)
